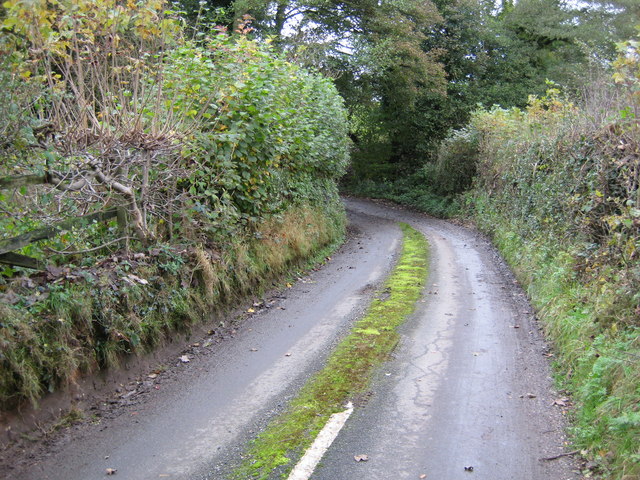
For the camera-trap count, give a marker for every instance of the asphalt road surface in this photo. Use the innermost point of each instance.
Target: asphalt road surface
(468, 394)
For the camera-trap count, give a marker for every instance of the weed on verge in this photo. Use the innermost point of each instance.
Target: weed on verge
(90, 318)
(348, 371)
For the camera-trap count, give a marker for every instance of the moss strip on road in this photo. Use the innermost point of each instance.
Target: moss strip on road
(348, 371)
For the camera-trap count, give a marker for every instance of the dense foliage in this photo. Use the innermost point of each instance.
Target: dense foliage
(223, 123)
(376, 52)
(277, 134)
(490, 56)
(221, 157)
(557, 187)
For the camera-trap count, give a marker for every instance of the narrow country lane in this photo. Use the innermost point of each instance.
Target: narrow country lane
(469, 384)
(468, 394)
(192, 426)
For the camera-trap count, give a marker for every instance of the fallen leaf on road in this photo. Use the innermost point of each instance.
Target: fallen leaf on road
(152, 375)
(424, 475)
(561, 402)
(185, 359)
(361, 458)
(251, 310)
(110, 471)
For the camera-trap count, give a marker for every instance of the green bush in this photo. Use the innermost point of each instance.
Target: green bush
(456, 164)
(412, 190)
(273, 134)
(225, 156)
(207, 137)
(557, 189)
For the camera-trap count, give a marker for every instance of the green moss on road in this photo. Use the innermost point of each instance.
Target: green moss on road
(349, 368)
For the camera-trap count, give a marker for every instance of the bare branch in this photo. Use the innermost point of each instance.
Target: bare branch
(88, 250)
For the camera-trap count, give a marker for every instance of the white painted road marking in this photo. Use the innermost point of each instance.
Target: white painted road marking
(323, 441)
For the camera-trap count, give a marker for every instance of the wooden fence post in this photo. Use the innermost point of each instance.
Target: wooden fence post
(123, 225)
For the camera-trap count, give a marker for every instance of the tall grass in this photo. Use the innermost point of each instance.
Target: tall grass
(130, 306)
(557, 189)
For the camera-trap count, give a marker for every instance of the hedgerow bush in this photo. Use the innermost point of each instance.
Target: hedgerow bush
(223, 155)
(456, 162)
(557, 187)
(273, 134)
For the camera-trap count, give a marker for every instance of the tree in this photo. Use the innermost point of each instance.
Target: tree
(503, 56)
(611, 20)
(204, 14)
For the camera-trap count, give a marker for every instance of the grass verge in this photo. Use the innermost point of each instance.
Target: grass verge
(597, 355)
(348, 370)
(71, 321)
